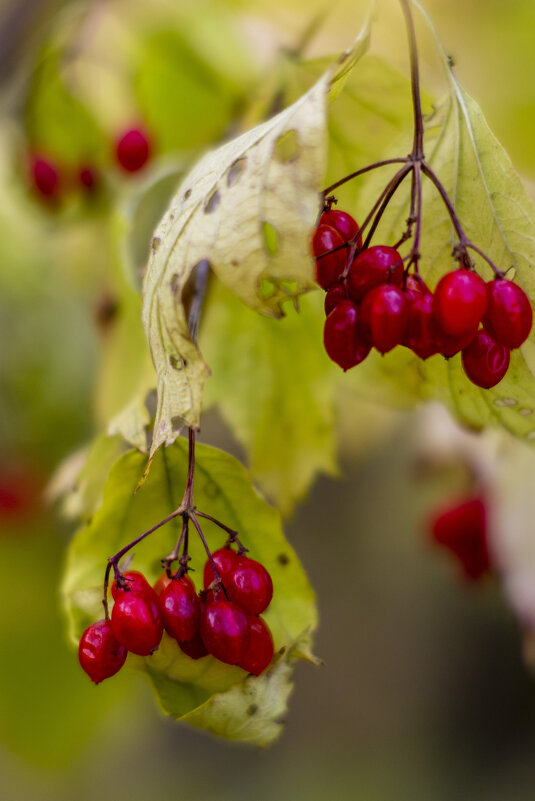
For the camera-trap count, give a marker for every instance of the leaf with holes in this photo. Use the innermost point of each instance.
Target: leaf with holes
(223, 489)
(499, 218)
(247, 210)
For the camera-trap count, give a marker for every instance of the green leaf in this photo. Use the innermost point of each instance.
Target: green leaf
(223, 490)
(499, 218)
(275, 391)
(248, 209)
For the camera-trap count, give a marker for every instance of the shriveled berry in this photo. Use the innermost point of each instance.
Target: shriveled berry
(485, 361)
(225, 631)
(194, 648)
(333, 297)
(383, 317)
(99, 652)
(133, 149)
(377, 265)
(460, 301)
(45, 177)
(137, 623)
(509, 316)
(181, 609)
(225, 559)
(134, 582)
(422, 334)
(259, 652)
(329, 266)
(344, 223)
(341, 336)
(462, 529)
(249, 585)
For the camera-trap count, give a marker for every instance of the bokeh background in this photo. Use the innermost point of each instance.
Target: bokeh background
(424, 694)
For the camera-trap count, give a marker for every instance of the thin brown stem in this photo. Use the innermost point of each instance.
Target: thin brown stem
(361, 172)
(233, 535)
(418, 142)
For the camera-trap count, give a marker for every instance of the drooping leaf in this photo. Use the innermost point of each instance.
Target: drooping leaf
(275, 390)
(499, 218)
(223, 490)
(247, 208)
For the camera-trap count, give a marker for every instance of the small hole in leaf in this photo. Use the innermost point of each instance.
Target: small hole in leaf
(235, 171)
(267, 289)
(175, 278)
(505, 402)
(287, 147)
(271, 238)
(213, 202)
(155, 244)
(283, 559)
(187, 194)
(525, 412)
(252, 709)
(177, 363)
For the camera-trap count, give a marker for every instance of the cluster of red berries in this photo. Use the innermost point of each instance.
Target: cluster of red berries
(462, 530)
(132, 150)
(222, 620)
(372, 301)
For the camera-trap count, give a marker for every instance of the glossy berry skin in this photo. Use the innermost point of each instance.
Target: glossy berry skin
(344, 223)
(448, 346)
(45, 177)
(249, 585)
(509, 316)
(422, 334)
(161, 583)
(485, 361)
(259, 652)
(181, 609)
(194, 648)
(329, 267)
(136, 582)
(333, 297)
(225, 631)
(383, 317)
(133, 150)
(137, 623)
(99, 652)
(460, 301)
(341, 336)
(225, 559)
(462, 529)
(415, 288)
(377, 265)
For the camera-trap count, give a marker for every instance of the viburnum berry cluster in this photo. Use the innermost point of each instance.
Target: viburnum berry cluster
(51, 180)
(222, 620)
(376, 297)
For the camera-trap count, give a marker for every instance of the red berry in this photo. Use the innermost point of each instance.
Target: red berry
(249, 585)
(333, 297)
(379, 264)
(88, 178)
(45, 177)
(136, 622)
(161, 583)
(225, 559)
(329, 267)
(225, 631)
(133, 149)
(181, 609)
(422, 334)
(462, 529)
(448, 346)
(259, 652)
(415, 288)
(383, 317)
(135, 582)
(460, 302)
(99, 652)
(344, 223)
(485, 361)
(509, 316)
(194, 648)
(341, 336)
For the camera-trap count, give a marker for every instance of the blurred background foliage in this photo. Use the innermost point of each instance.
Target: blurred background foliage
(424, 694)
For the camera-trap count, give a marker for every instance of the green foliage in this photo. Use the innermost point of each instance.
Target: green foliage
(222, 489)
(280, 406)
